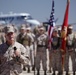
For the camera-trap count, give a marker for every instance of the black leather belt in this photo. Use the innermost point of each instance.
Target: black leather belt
(41, 45)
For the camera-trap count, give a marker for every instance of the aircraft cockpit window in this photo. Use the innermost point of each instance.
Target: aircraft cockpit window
(29, 17)
(23, 17)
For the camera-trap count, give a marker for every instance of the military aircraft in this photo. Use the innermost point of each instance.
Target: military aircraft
(18, 19)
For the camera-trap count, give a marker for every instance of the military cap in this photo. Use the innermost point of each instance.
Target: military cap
(55, 30)
(9, 28)
(41, 28)
(59, 28)
(28, 28)
(22, 27)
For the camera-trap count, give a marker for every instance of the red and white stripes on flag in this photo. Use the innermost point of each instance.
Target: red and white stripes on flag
(51, 23)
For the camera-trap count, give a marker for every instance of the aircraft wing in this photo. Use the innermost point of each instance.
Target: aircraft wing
(45, 24)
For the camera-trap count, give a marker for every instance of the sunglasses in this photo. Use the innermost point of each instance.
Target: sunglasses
(9, 33)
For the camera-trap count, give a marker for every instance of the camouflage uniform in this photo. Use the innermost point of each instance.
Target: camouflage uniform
(32, 48)
(25, 40)
(70, 51)
(75, 49)
(2, 38)
(55, 55)
(41, 54)
(10, 65)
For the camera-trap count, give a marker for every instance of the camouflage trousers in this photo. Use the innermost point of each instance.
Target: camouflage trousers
(32, 55)
(56, 61)
(41, 56)
(66, 62)
(7, 72)
(13, 70)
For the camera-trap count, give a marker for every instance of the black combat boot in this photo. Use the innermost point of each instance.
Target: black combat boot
(53, 73)
(38, 73)
(60, 73)
(33, 68)
(24, 68)
(49, 71)
(45, 72)
(28, 71)
(73, 72)
(67, 73)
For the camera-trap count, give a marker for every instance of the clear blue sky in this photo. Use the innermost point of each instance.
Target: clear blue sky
(40, 9)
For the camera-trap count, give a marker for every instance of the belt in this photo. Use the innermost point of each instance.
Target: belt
(41, 45)
(55, 50)
(70, 50)
(70, 46)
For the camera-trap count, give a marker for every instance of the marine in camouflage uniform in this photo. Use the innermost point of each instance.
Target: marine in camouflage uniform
(70, 50)
(12, 54)
(41, 55)
(2, 37)
(32, 46)
(25, 40)
(55, 52)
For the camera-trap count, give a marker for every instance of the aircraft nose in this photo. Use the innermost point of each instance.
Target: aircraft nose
(35, 22)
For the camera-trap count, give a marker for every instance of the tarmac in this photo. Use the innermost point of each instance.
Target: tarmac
(42, 73)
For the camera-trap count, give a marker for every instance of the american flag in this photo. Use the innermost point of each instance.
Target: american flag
(51, 22)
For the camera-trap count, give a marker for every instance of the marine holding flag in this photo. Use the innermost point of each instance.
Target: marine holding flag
(70, 50)
(67, 43)
(55, 52)
(54, 45)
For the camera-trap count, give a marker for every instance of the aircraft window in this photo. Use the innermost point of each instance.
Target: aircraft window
(9, 18)
(29, 17)
(2, 18)
(20, 17)
(23, 17)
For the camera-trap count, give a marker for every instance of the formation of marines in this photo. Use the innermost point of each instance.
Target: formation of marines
(25, 49)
